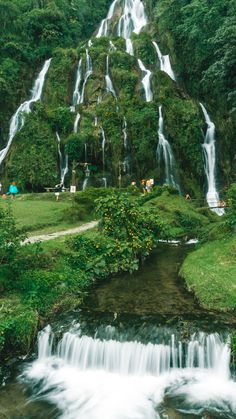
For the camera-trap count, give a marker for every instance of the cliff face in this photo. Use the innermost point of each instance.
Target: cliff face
(107, 109)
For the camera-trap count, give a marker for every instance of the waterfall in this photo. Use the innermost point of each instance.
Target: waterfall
(212, 195)
(76, 94)
(88, 377)
(76, 123)
(103, 29)
(103, 147)
(133, 19)
(146, 81)
(129, 47)
(112, 46)
(109, 84)
(165, 64)
(89, 72)
(63, 161)
(125, 133)
(90, 43)
(18, 119)
(45, 340)
(164, 149)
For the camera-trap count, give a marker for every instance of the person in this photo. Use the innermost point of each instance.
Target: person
(148, 186)
(133, 183)
(187, 196)
(13, 190)
(143, 183)
(222, 204)
(57, 194)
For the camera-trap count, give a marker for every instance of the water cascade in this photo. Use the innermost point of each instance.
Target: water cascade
(132, 20)
(76, 123)
(210, 164)
(165, 64)
(109, 84)
(89, 72)
(88, 377)
(164, 149)
(76, 94)
(146, 81)
(63, 161)
(103, 147)
(112, 46)
(18, 118)
(103, 29)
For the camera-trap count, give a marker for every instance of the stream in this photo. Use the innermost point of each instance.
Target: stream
(140, 347)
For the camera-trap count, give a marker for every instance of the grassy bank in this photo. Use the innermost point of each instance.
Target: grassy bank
(210, 272)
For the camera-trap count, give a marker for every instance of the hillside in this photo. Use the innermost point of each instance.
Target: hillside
(129, 99)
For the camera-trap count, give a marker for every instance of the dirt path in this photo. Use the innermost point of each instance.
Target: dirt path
(51, 236)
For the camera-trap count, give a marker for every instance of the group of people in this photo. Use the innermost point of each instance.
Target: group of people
(147, 185)
(12, 191)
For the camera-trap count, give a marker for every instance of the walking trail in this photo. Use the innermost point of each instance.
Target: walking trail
(51, 236)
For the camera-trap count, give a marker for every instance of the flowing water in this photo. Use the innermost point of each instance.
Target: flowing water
(212, 195)
(146, 81)
(89, 72)
(165, 64)
(18, 119)
(139, 348)
(164, 151)
(63, 157)
(109, 84)
(133, 18)
(103, 147)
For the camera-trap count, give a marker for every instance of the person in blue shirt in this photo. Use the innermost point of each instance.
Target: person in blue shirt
(13, 190)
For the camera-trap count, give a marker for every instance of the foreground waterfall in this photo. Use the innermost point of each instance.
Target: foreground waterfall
(165, 64)
(63, 161)
(91, 378)
(146, 81)
(210, 164)
(18, 118)
(164, 149)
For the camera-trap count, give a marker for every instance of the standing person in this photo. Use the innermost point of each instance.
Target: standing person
(143, 183)
(13, 190)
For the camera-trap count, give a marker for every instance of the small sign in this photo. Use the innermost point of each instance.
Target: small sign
(72, 189)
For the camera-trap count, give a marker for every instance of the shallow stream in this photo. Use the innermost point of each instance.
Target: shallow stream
(139, 348)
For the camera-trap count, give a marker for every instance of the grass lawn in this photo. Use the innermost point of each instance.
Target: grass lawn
(40, 213)
(210, 272)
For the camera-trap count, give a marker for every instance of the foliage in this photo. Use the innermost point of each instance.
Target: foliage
(10, 237)
(231, 212)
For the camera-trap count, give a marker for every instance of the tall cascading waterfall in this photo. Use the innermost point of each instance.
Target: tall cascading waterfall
(18, 118)
(212, 195)
(133, 20)
(146, 81)
(165, 64)
(96, 378)
(63, 161)
(109, 84)
(164, 149)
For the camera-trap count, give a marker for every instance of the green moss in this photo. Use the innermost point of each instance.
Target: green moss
(210, 272)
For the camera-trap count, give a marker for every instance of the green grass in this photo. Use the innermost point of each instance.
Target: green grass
(210, 272)
(181, 216)
(40, 213)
